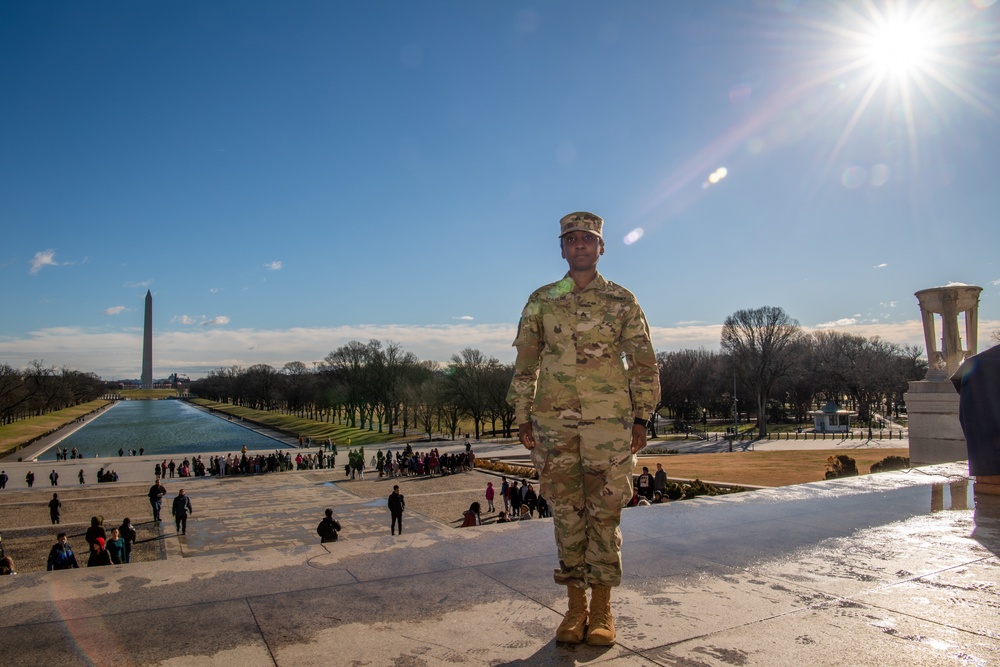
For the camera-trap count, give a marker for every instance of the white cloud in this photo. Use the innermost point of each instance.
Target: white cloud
(686, 335)
(213, 290)
(202, 320)
(115, 310)
(273, 266)
(43, 259)
(880, 266)
(467, 318)
(842, 322)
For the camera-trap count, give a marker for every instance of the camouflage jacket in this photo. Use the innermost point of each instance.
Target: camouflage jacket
(570, 350)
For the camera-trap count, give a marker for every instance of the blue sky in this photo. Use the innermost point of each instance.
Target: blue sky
(286, 177)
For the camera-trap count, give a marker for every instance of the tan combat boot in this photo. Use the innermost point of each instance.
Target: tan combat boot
(574, 623)
(602, 623)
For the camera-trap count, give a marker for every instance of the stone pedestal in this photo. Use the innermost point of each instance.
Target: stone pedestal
(935, 432)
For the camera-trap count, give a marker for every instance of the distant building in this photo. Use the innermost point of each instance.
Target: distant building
(832, 419)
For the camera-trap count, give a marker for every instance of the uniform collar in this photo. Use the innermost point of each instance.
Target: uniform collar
(597, 283)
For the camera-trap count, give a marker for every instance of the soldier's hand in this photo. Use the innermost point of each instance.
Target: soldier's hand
(638, 438)
(526, 435)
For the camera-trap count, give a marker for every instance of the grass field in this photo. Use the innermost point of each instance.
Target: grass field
(311, 428)
(777, 468)
(25, 430)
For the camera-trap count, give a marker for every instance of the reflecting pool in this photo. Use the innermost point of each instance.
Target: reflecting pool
(166, 427)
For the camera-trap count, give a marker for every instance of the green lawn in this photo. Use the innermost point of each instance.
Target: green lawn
(317, 430)
(20, 432)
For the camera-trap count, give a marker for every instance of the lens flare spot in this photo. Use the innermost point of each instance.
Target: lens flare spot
(853, 177)
(634, 236)
(879, 175)
(739, 93)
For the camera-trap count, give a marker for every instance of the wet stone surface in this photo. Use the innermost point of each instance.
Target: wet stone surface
(894, 569)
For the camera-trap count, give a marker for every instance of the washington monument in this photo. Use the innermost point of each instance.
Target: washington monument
(147, 344)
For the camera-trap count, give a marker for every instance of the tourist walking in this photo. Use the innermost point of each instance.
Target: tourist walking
(181, 509)
(156, 493)
(514, 499)
(660, 480)
(80, 475)
(61, 556)
(583, 414)
(95, 532)
(396, 506)
(645, 484)
(30, 479)
(116, 547)
(99, 556)
(127, 531)
(54, 478)
(3, 479)
(55, 506)
(489, 497)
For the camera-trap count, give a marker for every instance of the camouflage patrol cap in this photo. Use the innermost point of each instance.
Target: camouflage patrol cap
(581, 221)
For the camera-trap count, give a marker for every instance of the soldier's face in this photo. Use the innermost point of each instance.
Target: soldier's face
(581, 250)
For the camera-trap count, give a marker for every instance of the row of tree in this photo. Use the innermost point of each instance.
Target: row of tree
(39, 389)
(375, 386)
(773, 358)
(765, 355)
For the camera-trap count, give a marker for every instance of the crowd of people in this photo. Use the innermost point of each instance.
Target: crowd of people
(63, 455)
(104, 547)
(649, 489)
(243, 463)
(409, 463)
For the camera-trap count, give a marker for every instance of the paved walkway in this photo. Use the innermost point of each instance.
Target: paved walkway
(242, 514)
(893, 569)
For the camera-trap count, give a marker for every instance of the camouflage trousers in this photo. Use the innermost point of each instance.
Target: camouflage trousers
(586, 476)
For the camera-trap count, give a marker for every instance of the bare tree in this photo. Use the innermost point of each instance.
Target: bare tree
(394, 369)
(297, 387)
(44, 386)
(261, 382)
(762, 342)
(467, 373)
(686, 383)
(498, 377)
(14, 393)
(345, 370)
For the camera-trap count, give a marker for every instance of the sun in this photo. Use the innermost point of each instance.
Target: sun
(900, 47)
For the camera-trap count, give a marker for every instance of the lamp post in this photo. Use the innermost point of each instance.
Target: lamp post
(736, 414)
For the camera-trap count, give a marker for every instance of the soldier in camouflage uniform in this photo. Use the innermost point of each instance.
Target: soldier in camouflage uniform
(583, 414)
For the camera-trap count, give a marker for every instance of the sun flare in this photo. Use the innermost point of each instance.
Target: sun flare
(901, 47)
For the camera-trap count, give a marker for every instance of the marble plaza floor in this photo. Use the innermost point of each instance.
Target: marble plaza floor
(892, 569)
